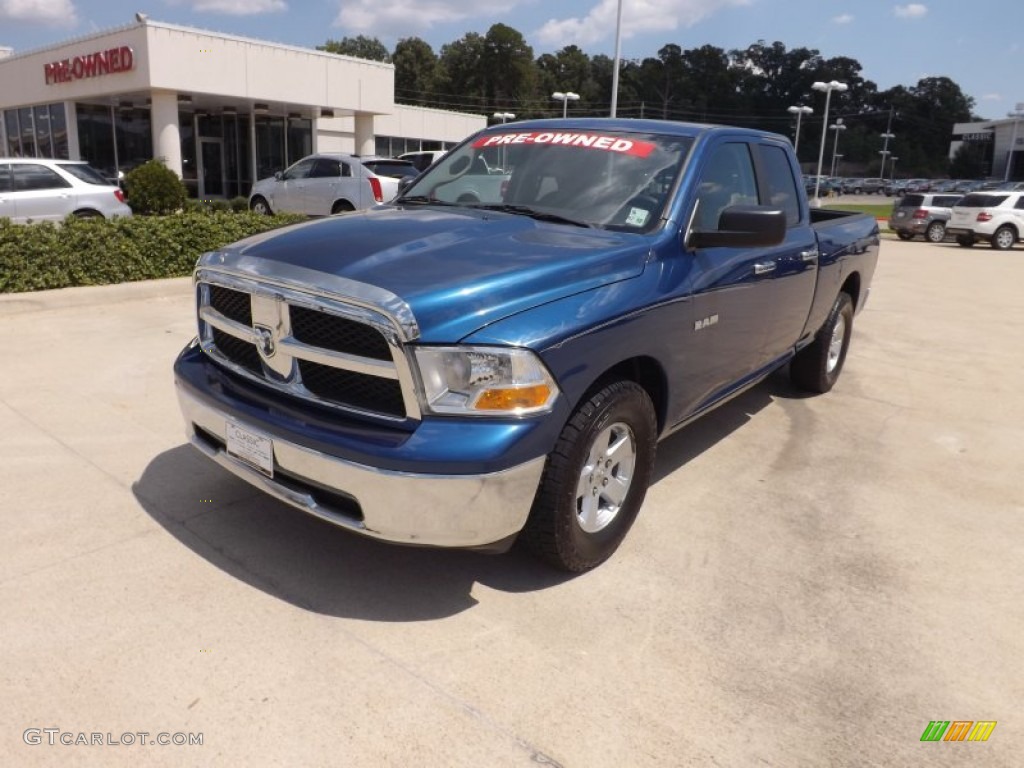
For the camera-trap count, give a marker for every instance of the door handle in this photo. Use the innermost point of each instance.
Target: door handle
(764, 267)
(810, 255)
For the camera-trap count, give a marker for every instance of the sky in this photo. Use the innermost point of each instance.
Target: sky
(896, 43)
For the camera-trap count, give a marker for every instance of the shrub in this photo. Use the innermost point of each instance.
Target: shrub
(100, 251)
(239, 204)
(153, 188)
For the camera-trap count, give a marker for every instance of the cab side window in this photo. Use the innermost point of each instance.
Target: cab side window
(779, 182)
(727, 179)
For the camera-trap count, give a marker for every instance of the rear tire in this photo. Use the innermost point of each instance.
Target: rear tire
(594, 480)
(816, 368)
(88, 214)
(1004, 238)
(936, 232)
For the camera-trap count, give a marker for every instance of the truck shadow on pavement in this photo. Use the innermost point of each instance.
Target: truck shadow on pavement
(316, 566)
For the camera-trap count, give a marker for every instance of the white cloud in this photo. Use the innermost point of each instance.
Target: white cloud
(47, 11)
(912, 11)
(992, 97)
(844, 18)
(239, 7)
(637, 16)
(393, 17)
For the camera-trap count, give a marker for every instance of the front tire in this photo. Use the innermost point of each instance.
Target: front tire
(594, 480)
(1004, 238)
(936, 232)
(261, 206)
(816, 368)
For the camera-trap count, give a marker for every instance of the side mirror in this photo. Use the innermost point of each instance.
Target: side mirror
(278, 175)
(743, 226)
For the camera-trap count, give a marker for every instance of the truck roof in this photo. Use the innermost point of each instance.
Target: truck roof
(664, 127)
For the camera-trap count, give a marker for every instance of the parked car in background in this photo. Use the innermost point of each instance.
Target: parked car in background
(323, 184)
(390, 167)
(37, 189)
(993, 217)
(872, 186)
(424, 159)
(922, 213)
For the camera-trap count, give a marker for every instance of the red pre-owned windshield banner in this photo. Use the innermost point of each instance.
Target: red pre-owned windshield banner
(569, 139)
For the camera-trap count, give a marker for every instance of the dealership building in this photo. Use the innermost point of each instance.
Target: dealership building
(219, 110)
(1000, 144)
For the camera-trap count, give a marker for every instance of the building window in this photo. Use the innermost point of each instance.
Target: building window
(28, 132)
(269, 146)
(59, 132)
(300, 138)
(100, 127)
(13, 148)
(41, 118)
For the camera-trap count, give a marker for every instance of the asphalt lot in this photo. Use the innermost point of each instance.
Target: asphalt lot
(811, 581)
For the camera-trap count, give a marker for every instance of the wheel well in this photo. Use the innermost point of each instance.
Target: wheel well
(87, 212)
(852, 288)
(342, 205)
(645, 371)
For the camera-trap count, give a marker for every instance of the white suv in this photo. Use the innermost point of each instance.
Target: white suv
(37, 189)
(996, 217)
(322, 184)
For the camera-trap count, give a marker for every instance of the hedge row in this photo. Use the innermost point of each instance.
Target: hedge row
(103, 251)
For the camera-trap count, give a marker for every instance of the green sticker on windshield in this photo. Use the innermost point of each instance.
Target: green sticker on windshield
(637, 217)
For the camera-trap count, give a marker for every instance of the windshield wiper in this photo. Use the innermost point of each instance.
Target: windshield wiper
(533, 213)
(421, 200)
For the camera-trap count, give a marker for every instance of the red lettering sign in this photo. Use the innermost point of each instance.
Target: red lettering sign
(569, 139)
(91, 65)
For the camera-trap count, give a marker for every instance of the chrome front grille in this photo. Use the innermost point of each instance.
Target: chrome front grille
(319, 348)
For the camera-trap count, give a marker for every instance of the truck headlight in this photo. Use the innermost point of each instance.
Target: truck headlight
(484, 381)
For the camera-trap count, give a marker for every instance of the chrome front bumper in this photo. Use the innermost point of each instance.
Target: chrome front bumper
(432, 510)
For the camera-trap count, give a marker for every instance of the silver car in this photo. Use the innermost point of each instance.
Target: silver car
(39, 189)
(323, 184)
(922, 213)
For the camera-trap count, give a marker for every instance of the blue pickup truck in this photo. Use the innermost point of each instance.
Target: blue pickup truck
(464, 370)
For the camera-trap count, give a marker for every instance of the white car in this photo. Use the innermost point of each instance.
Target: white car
(320, 185)
(994, 216)
(38, 189)
(423, 159)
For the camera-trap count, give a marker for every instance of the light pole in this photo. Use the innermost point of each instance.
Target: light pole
(503, 116)
(892, 172)
(885, 151)
(837, 126)
(565, 98)
(615, 66)
(834, 85)
(1016, 114)
(799, 111)
(835, 164)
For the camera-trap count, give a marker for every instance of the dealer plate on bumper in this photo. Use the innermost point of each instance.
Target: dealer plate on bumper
(250, 447)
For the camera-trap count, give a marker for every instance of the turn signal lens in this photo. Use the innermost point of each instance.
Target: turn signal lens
(523, 398)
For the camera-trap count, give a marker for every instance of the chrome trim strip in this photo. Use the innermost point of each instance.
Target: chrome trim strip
(322, 285)
(367, 365)
(229, 326)
(403, 507)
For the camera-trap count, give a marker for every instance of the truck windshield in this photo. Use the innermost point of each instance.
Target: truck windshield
(609, 179)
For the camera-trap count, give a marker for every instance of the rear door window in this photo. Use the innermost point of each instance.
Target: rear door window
(29, 177)
(779, 184)
(912, 201)
(326, 168)
(946, 201)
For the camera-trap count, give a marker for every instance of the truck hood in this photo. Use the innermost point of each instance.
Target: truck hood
(458, 269)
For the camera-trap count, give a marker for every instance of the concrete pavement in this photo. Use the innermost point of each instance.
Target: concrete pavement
(810, 582)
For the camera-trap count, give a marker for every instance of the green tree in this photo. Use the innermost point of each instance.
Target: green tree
(416, 71)
(508, 67)
(969, 162)
(461, 72)
(361, 47)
